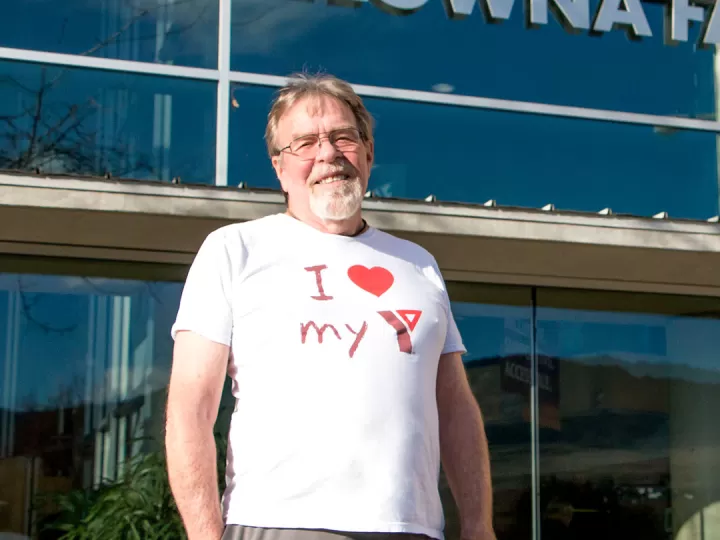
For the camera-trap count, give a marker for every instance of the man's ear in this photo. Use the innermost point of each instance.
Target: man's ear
(277, 163)
(370, 151)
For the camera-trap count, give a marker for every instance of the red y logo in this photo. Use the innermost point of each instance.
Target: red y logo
(411, 318)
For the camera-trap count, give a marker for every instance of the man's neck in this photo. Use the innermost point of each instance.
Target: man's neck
(353, 226)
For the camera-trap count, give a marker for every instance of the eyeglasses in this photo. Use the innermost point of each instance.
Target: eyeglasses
(308, 146)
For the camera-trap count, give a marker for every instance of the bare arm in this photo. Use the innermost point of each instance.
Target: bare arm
(464, 449)
(196, 382)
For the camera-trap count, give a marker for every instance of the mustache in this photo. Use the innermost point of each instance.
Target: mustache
(324, 171)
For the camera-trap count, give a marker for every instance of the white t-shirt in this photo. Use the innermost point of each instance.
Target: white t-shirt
(335, 348)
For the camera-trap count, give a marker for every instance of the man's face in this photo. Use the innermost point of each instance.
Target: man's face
(331, 185)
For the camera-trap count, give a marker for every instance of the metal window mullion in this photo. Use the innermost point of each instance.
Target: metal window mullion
(7, 420)
(18, 317)
(716, 81)
(534, 422)
(101, 353)
(222, 126)
(124, 382)
(110, 460)
(107, 64)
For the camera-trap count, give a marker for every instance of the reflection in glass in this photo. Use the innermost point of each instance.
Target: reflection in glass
(495, 325)
(89, 122)
(84, 363)
(428, 51)
(248, 160)
(473, 155)
(629, 388)
(181, 32)
(634, 447)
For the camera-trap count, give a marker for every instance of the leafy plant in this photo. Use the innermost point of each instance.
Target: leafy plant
(137, 506)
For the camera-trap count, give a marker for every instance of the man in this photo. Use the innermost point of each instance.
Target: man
(343, 352)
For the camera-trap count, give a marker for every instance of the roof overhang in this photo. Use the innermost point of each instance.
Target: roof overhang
(163, 223)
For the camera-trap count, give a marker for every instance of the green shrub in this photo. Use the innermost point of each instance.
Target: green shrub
(137, 506)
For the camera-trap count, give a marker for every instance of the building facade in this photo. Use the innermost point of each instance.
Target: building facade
(559, 158)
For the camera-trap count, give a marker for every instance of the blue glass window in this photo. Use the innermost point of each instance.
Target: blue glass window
(473, 155)
(426, 50)
(84, 367)
(91, 122)
(163, 31)
(630, 447)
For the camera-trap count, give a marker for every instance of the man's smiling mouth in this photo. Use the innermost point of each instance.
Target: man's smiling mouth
(335, 178)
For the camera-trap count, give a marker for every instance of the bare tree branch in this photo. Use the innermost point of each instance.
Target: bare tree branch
(28, 302)
(49, 134)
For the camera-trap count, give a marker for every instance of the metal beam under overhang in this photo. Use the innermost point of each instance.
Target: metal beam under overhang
(161, 223)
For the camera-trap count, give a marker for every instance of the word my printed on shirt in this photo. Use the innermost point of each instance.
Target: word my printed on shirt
(376, 281)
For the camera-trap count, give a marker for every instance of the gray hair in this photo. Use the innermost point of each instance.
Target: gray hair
(303, 85)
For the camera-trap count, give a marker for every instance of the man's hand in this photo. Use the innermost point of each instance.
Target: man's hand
(480, 533)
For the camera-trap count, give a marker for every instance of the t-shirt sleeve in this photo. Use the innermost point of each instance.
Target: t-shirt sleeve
(205, 304)
(453, 339)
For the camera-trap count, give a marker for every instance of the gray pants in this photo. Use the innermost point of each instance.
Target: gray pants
(241, 532)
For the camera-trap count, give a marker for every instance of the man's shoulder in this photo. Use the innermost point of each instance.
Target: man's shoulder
(405, 249)
(246, 230)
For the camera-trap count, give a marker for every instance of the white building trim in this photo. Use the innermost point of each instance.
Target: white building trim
(108, 64)
(222, 145)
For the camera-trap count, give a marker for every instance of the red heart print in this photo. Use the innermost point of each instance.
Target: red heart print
(376, 280)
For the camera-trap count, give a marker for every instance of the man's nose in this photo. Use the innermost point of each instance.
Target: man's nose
(327, 152)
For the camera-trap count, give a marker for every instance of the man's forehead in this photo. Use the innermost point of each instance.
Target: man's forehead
(303, 114)
(316, 105)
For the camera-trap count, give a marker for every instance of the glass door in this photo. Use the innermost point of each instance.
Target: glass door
(630, 446)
